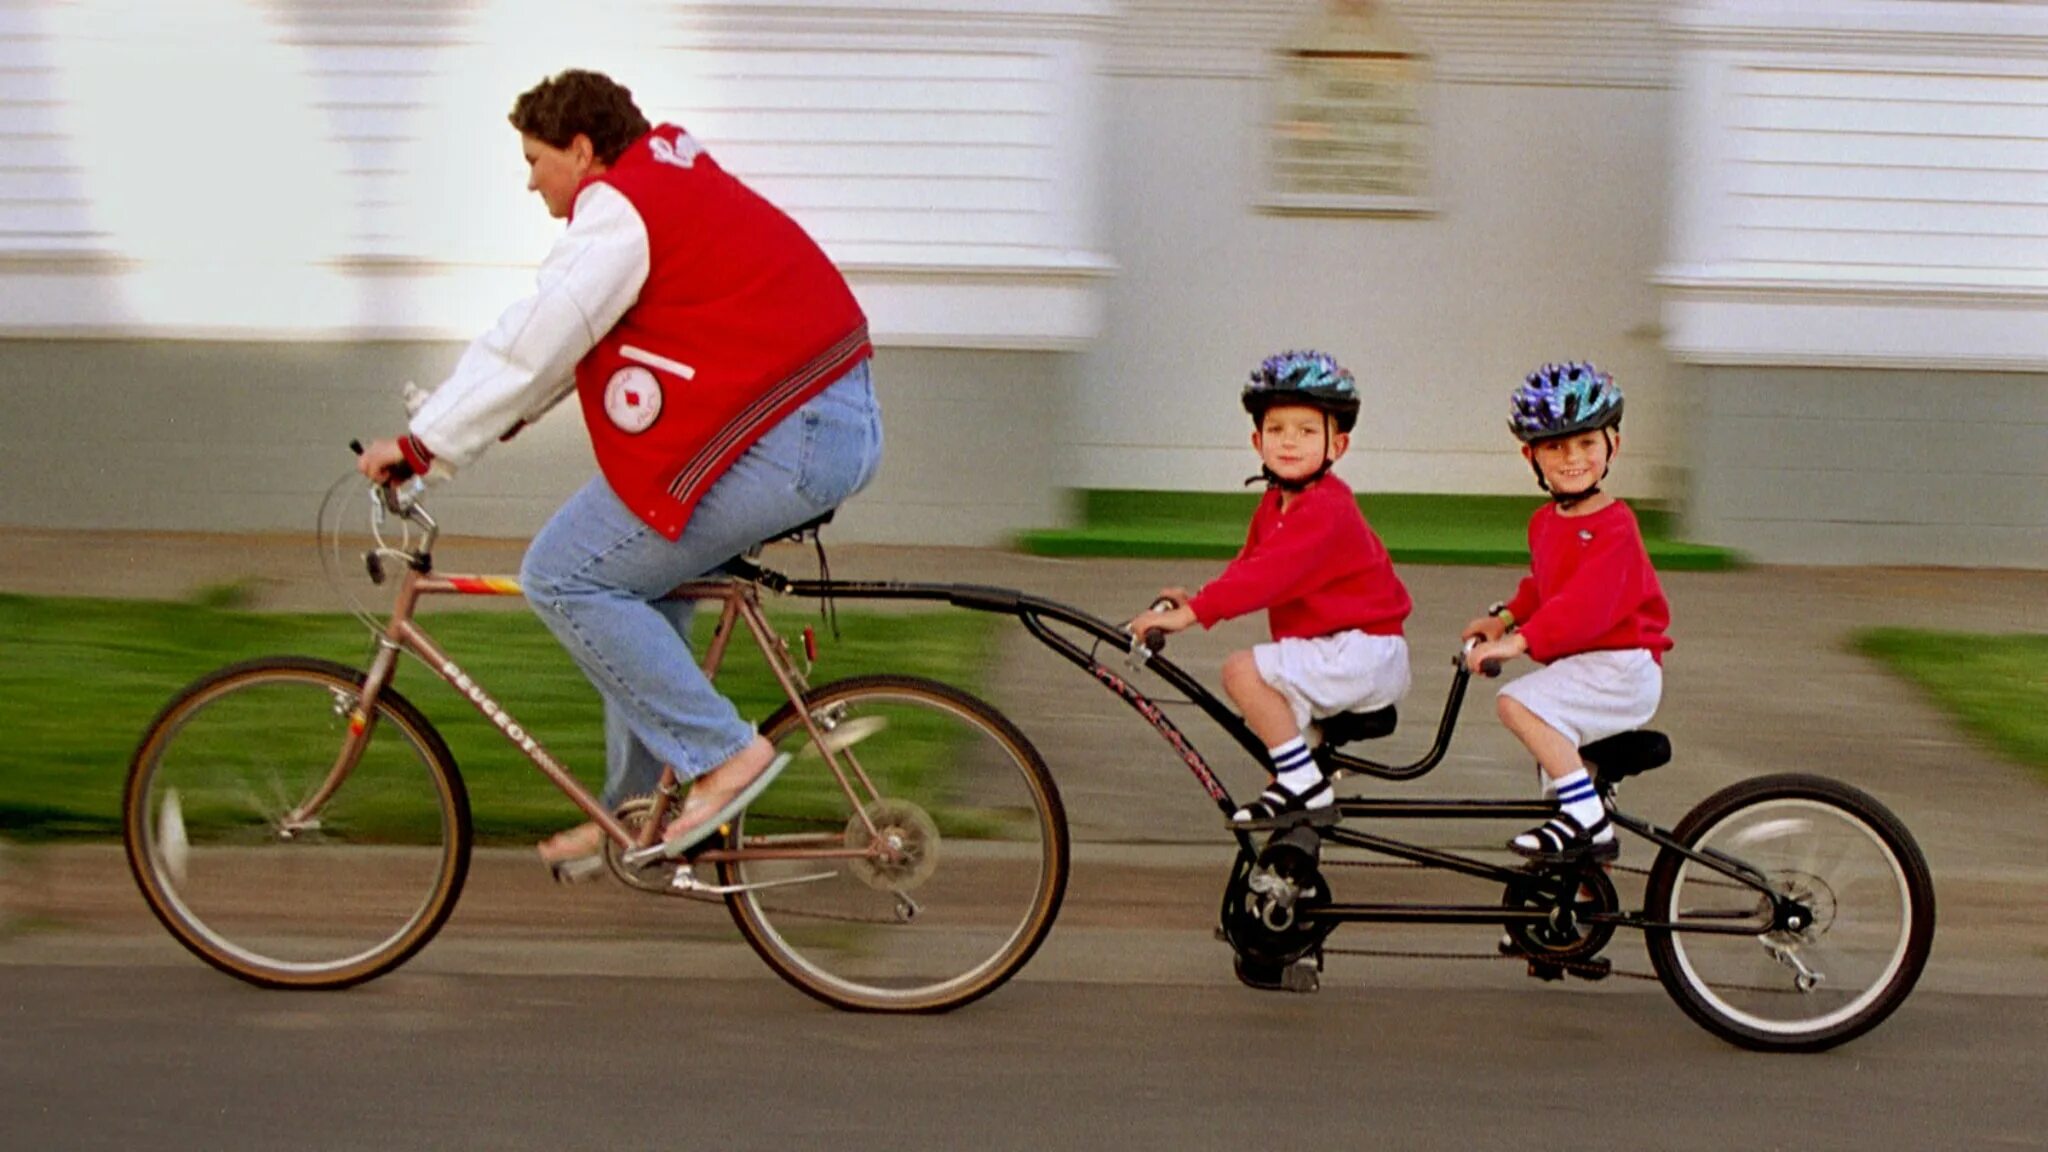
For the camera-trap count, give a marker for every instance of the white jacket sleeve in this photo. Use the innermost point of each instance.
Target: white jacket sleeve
(526, 363)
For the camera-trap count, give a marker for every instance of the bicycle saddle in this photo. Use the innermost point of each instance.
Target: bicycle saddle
(1346, 727)
(1626, 754)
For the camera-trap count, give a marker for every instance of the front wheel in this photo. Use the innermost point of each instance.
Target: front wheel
(922, 874)
(268, 857)
(1828, 960)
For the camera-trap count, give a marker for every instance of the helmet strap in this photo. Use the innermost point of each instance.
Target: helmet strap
(1273, 479)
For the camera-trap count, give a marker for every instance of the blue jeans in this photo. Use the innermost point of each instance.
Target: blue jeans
(595, 574)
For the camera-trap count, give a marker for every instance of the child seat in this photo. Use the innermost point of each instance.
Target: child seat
(1625, 754)
(1347, 727)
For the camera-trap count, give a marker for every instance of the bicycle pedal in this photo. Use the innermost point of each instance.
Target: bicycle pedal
(1301, 976)
(1598, 968)
(1545, 972)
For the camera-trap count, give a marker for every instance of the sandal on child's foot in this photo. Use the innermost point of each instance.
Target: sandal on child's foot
(1563, 840)
(1281, 807)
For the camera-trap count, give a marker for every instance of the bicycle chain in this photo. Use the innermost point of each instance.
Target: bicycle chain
(1581, 966)
(832, 917)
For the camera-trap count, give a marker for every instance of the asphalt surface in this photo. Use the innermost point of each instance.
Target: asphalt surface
(545, 1017)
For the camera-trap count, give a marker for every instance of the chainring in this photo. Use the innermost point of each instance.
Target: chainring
(1265, 935)
(1568, 934)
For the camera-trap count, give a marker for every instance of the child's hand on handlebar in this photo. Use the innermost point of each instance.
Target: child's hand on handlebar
(1485, 629)
(1163, 617)
(1495, 653)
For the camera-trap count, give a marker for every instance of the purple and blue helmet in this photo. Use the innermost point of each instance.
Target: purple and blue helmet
(1563, 400)
(1314, 379)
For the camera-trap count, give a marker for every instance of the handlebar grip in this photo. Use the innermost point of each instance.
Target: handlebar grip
(1155, 638)
(1487, 668)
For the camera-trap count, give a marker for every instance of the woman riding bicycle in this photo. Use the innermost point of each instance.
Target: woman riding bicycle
(722, 365)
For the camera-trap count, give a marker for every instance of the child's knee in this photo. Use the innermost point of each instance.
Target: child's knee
(1512, 712)
(1508, 710)
(1241, 673)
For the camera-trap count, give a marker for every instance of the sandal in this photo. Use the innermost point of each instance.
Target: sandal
(1563, 840)
(574, 855)
(704, 826)
(1281, 807)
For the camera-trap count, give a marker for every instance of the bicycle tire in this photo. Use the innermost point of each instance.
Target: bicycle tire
(1869, 939)
(314, 905)
(954, 780)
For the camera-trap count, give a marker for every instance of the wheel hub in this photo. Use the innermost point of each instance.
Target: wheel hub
(904, 850)
(1804, 909)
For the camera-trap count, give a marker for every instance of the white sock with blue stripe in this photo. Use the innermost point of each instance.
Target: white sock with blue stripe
(1577, 797)
(1294, 768)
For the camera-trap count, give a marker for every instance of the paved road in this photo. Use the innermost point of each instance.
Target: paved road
(178, 1058)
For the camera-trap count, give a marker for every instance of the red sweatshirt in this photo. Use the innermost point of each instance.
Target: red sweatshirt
(1591, 587)
(1317, 569)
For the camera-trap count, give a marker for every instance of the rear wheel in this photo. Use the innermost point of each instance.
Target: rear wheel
(950, 841)
(233, 861)
(1846, 954)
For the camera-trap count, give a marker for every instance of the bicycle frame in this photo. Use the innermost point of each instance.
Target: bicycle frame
(1035, 612)
(740, 603)
(738, 592)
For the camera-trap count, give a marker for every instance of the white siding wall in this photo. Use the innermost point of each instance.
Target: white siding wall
(1864, 185)
(342, 168)
(1549, 135)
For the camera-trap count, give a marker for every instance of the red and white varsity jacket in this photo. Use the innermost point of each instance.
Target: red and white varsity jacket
(689, 315)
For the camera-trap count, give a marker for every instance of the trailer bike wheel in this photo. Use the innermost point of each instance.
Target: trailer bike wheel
(269, 861)
(922, 879)
(1838, 956)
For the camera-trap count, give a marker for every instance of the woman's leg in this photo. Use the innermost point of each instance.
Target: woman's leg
(594, 572)
(630, 769)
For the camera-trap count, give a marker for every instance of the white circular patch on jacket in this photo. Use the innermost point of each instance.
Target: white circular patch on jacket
(633, 399)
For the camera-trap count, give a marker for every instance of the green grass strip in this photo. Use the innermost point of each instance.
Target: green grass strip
(1993, 686)
(1418, 528)
(81, 679)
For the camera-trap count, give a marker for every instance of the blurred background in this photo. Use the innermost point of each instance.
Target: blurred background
(1810, 238)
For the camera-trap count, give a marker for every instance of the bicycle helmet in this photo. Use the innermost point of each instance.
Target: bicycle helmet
(1560, 400)
(1311, 378)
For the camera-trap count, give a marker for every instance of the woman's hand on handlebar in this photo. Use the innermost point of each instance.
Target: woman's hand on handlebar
(383, 461)
(1486, 658)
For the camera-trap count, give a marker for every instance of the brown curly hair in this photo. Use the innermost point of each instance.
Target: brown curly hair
(574, 102)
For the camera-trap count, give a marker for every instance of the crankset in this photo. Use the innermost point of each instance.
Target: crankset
(1579, 901)
(1269, 912)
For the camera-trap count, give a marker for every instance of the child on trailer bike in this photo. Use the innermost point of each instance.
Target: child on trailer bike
(1333, 603)
(1591, 609)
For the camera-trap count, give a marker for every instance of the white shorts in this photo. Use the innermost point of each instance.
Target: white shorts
(1592, 695)
(1344, 672)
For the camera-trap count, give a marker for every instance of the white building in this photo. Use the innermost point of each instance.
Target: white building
(1811, 239)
